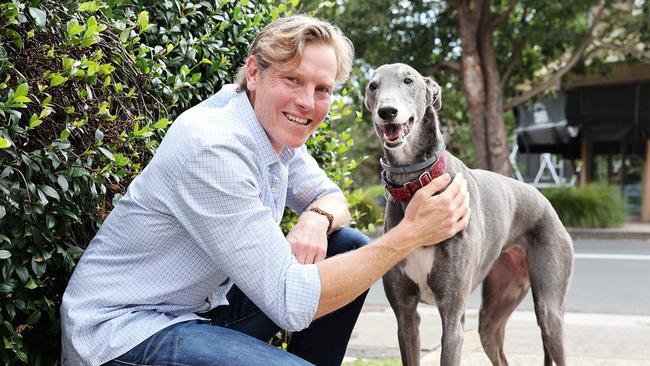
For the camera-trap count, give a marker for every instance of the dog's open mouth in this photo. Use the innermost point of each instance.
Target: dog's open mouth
(395, 133)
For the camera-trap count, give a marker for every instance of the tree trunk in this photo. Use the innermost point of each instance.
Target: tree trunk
(473, 80)
(482, 87)
(497, 141)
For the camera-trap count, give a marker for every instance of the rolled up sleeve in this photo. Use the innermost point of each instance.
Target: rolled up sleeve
(218, 203)
(307, 181)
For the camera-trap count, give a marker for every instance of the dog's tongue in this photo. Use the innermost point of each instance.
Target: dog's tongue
(392, 132)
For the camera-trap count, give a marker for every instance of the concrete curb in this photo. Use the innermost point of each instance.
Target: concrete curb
(633, 231)
(629, 231)
(608, 234)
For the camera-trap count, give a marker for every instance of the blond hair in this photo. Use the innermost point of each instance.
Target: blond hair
(282, 42)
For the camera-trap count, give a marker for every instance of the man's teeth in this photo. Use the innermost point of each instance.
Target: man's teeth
(297, 120)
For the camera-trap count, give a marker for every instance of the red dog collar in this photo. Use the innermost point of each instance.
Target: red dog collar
(405, 192)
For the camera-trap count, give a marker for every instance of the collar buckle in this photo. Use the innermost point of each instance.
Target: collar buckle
(426, 174)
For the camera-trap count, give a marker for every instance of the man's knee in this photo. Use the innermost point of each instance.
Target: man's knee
(345, 240)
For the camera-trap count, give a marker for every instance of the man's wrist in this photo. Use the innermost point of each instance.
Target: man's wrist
(329, 218)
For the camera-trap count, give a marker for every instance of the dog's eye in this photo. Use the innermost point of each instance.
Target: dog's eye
(372, 86)
(408, 81)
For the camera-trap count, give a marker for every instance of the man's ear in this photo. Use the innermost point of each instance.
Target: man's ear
(434, 94)
(252, 73)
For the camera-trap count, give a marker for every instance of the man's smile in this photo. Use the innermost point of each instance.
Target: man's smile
(296, 120)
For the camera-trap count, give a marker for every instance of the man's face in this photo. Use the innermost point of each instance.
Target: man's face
(292, 104)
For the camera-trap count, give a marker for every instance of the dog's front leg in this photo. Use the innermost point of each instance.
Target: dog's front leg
(453, 321)
(403, 297)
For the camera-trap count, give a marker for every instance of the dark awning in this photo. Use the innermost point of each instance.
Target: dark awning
(614, 118)
(611, 113)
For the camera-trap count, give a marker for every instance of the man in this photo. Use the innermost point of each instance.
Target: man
(197, 235)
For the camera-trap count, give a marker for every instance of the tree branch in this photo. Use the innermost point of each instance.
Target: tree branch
(625, 50)
(516, 55)
(502, 18)
(577, 53)
(453, 66)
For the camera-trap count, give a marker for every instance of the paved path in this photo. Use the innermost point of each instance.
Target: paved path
(591, 339)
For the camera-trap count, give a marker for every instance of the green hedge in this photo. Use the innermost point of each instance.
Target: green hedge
(87, 90)
(591, 206)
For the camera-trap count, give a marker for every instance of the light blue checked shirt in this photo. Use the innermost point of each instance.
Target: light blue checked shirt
(202, 215)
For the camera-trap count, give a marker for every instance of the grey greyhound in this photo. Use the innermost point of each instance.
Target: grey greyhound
(514, 240)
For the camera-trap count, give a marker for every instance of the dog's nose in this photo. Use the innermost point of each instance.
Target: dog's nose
(387, 113)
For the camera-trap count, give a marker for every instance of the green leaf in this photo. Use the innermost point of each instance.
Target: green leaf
(76, 172)
(63, 183)
(3, 211)
(57, 79)
(4, 143)
(106, 69)
(50, 221)
(34, 121)
(21, 90)
(75, 251)
(162, 123)
(99, 136)
(4, 254)
(15, 37)
(106, 153)
(64, 134)
(39, 16)
(34, 317)
(73, 28)
(121, 160)
(31, 285)
(47, 101)
(185, 70)
(22, 99)
(124, 35)
(21, 355)
(22, 273)
(11, 310)
(143, 20)
(89, 6)
(50, 191)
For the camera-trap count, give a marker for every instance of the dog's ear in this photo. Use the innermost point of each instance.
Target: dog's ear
(366, 100)
(434, 95)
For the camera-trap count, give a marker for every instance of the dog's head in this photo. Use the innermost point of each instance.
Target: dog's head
(398, 98)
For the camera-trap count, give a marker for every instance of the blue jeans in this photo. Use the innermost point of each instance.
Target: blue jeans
(238, 333)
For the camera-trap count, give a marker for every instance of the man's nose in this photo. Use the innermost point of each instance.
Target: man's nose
(305, 99)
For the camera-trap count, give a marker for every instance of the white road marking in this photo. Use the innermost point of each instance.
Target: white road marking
(631, 257)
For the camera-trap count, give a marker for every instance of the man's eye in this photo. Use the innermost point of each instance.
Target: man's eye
(292, 79)
(323, 90)
(408, 81)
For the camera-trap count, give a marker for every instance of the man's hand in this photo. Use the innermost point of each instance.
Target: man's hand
(308, 238)
(439, 217)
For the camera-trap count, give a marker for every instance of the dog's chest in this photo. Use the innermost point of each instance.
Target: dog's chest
(417, 267)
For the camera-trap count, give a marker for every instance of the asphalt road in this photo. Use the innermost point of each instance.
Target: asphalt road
(610, 277)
